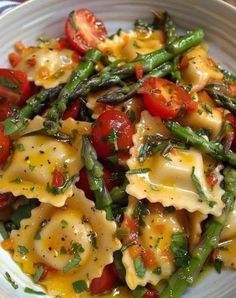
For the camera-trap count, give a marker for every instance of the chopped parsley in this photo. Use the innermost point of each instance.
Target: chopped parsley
(63, 250)
(157, 271)
(17, 181)
(139, 267)
(31, 291)
(218, 265)
(64, 224)
(11, 281)
(31, 167)
(72, 263)
(200, 191)
(37, 235)
(20, 147)
(22, 250)
(38, 273)
(179, 248)
(80, 286)
(112, 138)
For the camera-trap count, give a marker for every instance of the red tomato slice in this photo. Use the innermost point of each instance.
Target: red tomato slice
(165, 99)
(84, 30)
(112, 132)
(14, 86)
(104, 283)
(4, 145)
(58, 179)
(72, 111)
(5, 110)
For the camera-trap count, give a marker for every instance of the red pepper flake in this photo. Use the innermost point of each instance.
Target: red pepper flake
(139, 71)
(58, 179)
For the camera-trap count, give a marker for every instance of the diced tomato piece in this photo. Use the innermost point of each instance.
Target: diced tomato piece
(135, 251)
(105, 283)
(4, 145)
(112, 132)
(14, 59)
(73, 110)
(62, 44)
(58, 179)
(14, 86)
(184, 62)
(149, 258)
(84, 30)
(139, 71)
(132, 225)
(165, 99)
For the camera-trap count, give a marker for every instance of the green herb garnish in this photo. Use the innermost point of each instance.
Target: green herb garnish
(11, 281)
(139, 267)
(31, 291)
(38, 273)
(22, 250)
(80, 286)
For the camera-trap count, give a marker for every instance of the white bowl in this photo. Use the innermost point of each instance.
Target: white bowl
(46, 17)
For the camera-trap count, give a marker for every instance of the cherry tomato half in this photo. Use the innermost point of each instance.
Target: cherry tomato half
(165, 99)
(84, 30)
(112, 132)
(4, 145)
(72, 111)
(105, 283)
(14, 86)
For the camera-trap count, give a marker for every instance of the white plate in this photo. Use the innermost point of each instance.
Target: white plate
(34, 18)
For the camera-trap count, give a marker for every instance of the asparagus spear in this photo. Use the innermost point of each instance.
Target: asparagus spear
(95, 177)
(85, 69)
(221, 98)
(188, 136)
(126, 92)
(33, 106)
(148, 62)
(184, 277)
(169, 29)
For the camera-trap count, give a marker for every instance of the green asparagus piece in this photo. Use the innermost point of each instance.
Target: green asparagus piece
(122, 94)
(149, 62)
(33, 106)
(188, 136)
(85, 69)
(95, 176)
(169, 29)
(228, 74)
(184, 277)
(221, 98)
(193, 37)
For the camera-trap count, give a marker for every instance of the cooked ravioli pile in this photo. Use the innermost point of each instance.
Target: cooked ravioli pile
(117, 160)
